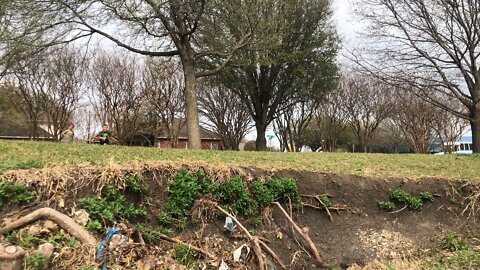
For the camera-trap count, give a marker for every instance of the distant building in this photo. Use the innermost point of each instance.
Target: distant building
(209, 140)
(20, 131)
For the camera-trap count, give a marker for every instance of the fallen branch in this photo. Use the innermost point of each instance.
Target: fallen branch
(62, 220)
(315, 196)
(326, 208)
(273, 254)
(305, 236)
(256, 242)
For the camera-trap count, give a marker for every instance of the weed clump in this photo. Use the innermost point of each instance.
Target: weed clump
(233, 194)
(14, 193)
(113, 204)
(399, 196)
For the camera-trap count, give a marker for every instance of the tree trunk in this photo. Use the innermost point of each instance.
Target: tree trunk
(191, 105)
(261, 141)
(475, 125)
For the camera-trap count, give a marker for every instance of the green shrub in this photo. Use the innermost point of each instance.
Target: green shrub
(110, 206)
(20, 238)
(415, 203)
(14, 193)
(184, 255)
(386, 205)
(234, 194)
(426, 196)
(453, 242)
(37, 260)
(325, 201)
(183, 191)
(400, 196)
(135, 184)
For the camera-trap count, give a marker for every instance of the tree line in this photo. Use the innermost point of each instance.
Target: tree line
(276, 60)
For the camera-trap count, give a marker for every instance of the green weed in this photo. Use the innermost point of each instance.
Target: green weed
(462, 259)
(235, 195)
(112, 205)
(184, 255)
(14, 193)
(21, 238)
(37, 260)
(386, 205)
(453, 242)
(399, 196)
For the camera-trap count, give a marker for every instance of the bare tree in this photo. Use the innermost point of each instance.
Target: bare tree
(331, 119)
(434, 44)
(291, 125)
(47, 87)
(116, 93)
(162, 28)
(415, 119)
(66, 72)
(367, 103)
(163, 86)
(225, 114)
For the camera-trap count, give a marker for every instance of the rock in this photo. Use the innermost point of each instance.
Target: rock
(117, 241)
(47, 249)
(81, 217)
(11, 258)
(50, 225)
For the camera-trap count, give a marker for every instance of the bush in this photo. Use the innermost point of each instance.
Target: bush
(14, 193)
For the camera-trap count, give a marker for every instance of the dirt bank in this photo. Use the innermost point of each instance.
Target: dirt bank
(359, 234)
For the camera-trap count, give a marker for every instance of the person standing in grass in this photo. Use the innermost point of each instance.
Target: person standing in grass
(68, 135)
(104, 135)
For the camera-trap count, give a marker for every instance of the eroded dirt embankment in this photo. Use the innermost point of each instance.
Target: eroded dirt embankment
(360, 233)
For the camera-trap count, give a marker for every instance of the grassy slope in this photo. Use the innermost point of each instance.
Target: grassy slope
(22, 154)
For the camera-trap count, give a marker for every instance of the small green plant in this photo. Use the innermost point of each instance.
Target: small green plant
(324, 200)
(235, 195)
(386, 205)
(400, 196)
(21, 238)
(270, 190)
(87, 267)
(426, 196)
(112, 204)
(415, 203)
(135, 184)
(151, 235)
(37, 260)
(14, 193)
(60, 239)
(94, 225)
(463, 259)
(184, 255)
(183, 190)
(453, 242)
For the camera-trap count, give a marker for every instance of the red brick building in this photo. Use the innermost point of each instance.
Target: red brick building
(209, 140)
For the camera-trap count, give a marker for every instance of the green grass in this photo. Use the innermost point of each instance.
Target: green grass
(28, 154)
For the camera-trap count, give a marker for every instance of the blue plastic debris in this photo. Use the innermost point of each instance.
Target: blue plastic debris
(101, 247)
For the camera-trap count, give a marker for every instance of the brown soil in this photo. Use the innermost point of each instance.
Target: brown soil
(360, 234)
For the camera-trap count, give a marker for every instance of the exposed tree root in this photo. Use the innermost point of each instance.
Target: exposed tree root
(256, 242)
(62, 220)
(273, 254)
(305, 236)
(399, 210)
